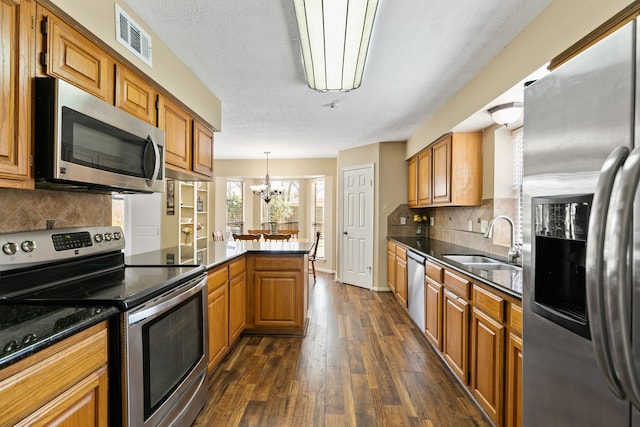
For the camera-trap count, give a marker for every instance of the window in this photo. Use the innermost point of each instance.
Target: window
(318, 214)
(282, 210)
(235, 211)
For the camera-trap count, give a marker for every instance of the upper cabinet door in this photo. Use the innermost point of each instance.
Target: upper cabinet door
(72, 57)
(176, 124)
(442, 171)
(424, 177)
(135, 96)
(412, 181)
(202, 149)
(16, 47)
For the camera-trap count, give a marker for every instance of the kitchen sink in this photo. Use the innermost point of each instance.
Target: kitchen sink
(473, 259)
(493, 266)
(481, 262)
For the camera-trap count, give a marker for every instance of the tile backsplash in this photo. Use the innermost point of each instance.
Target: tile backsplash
(461, 225)
(22, 210)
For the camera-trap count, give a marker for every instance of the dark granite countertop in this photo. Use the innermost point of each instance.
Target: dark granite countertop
(218, 253)
(508, 281)
(27, 329)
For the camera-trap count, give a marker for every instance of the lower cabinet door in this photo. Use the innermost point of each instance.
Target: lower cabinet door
(487, 363)
(238, 306)
(455, 334)
(513, 401)
(278, 300)
(433, 312)
(218, 303)
(84, 404)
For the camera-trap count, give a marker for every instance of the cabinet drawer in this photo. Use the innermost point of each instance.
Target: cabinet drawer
(457, 284)
(401, 252)
(275, 263)
(217, 278)
(488, 303)
(515, 318)
(434, 271)
(237, 267)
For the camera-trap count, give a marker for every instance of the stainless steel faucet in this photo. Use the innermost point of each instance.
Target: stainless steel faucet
(514, 250)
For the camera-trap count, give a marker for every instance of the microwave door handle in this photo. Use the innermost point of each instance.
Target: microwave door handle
(618, 278)
(156, 164)
(595, 268)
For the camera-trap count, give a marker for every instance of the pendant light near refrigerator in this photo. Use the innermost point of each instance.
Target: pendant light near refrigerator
(334, 37)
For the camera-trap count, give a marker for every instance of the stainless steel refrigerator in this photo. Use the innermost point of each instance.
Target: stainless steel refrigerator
(581, 252)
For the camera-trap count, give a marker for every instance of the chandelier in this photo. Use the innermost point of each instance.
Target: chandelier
(264, 190)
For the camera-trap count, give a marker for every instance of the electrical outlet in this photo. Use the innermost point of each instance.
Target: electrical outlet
(403, 220)
(470, 225)
(483, 226)
(432, 220)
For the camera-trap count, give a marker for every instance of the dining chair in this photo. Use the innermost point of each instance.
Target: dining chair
(253, 237)
(285, 237)
(293, 233)
(258, 231)
(312, 256)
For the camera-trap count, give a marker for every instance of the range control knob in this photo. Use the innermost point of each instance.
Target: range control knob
(98, 238)
(10, 248)
(117, 235)
(107, 237)
(28, 246)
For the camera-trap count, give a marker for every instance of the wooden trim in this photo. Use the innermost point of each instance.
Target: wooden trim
(620, 19)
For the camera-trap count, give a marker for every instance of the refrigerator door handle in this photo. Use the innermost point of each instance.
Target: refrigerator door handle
(618, 279)
(595, 269)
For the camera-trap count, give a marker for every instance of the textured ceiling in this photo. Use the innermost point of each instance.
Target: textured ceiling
(247, 52)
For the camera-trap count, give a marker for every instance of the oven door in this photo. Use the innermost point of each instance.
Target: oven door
(165, 357)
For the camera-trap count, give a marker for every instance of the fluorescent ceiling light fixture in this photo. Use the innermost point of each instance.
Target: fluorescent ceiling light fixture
(265, 191)
(334, 37)
(505, 114)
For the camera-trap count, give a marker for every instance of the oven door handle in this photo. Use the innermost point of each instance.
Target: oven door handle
(167, 300)
(596, 301)
(618, 278)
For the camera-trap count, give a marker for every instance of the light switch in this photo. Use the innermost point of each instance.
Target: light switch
(483, 226)
(403, 220)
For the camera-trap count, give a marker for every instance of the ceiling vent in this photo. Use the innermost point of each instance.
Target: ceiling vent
(131, 35)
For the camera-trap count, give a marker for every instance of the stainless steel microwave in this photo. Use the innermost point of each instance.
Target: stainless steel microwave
(84, 143)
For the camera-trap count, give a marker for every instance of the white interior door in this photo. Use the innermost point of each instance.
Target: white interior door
(357, 222)
(142, 222)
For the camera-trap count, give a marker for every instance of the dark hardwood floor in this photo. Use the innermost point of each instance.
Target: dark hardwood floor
(362, 363)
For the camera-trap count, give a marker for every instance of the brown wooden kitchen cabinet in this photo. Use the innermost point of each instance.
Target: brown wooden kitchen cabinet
(455, 324)
(237, 298)
(65, 384)
(278, 294)
(188, 142)
(433, 303)
(176, 124)
(448, 171)
(391, 266)
(218, 311)
(513, 390)
(412, 182)
(402, 285)
(16, 94)
(487, 352)
(202, 149)
(424, 177)
(70, 56)
(135, 95)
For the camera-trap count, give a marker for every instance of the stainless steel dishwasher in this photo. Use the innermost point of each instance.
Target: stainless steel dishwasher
(415, 299)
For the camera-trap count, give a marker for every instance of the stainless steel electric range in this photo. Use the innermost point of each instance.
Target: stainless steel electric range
(53, 281)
